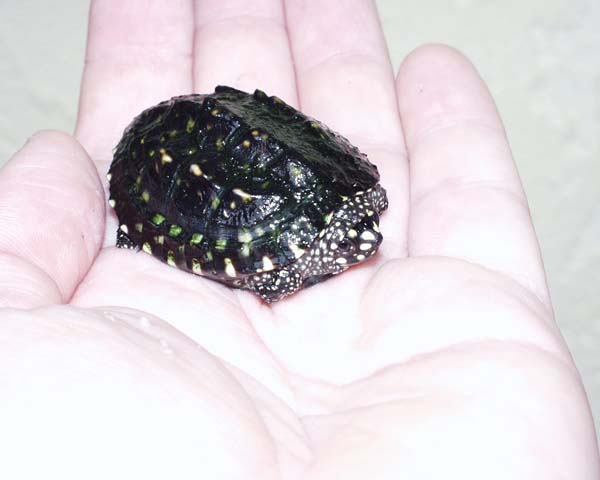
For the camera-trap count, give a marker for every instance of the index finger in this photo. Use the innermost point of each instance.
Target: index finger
(138, 54)
(467, 201)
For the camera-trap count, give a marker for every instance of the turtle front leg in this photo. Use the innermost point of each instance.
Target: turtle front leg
(274, 285)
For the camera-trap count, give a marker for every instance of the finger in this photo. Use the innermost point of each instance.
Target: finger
(52, 217)
(244, 45)
(138, 54)
(24, 285)
(345, 79)
(466, 197)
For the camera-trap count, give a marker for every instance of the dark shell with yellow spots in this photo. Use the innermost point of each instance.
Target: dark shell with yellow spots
(246, 190)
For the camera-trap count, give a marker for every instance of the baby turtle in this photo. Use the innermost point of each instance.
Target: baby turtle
(245, 190)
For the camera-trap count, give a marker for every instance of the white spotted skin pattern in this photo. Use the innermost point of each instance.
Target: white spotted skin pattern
(351, 237)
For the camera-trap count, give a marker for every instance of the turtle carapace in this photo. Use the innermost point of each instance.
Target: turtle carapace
(245, 190)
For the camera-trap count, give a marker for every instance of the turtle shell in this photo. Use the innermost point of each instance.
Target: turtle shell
(217, 183)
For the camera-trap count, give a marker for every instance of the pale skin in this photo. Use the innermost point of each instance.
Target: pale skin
(438, 359)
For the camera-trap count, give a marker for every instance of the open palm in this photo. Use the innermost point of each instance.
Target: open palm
(438, 359)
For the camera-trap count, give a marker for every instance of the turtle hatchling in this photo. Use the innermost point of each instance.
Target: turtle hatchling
(245, 190)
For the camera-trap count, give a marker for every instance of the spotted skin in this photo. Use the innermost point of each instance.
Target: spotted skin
(245, 190)
(352, 237)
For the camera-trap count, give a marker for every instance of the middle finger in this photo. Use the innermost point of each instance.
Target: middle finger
(243, 45)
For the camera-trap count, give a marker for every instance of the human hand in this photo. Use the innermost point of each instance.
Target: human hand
(438, 359)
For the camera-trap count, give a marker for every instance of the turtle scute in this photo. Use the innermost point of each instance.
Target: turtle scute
(245, 190)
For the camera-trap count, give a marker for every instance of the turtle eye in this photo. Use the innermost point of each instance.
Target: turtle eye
(344, 246)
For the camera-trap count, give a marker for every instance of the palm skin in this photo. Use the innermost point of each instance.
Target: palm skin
(438, 359)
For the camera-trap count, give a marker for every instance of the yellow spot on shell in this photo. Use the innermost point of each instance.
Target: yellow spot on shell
(244, 237)
(160, 239)
(255, 133)
(220, 244)
(190, 125)
(171, 258)
(245, 250)
(146, 247)
(352, 233)
(365, 246)
(145, 196)
(360, 257)
(111, 202)
(296, 250)
(242, 194)
(267, 264)
(124, 228)
(215, 112)
(139, 227)
(196, 267)
(109, 176)
(165, 157)
(196, 238)
(246, 143)
(376, 227)
(175, 230)
(341, 261)
(229, 268)
(195, 169)
(158, 219)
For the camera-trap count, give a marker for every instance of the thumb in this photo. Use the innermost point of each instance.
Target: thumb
(51, 220)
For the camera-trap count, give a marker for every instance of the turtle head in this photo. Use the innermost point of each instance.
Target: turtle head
(359, 243)
(361, 237)
(351, 236)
